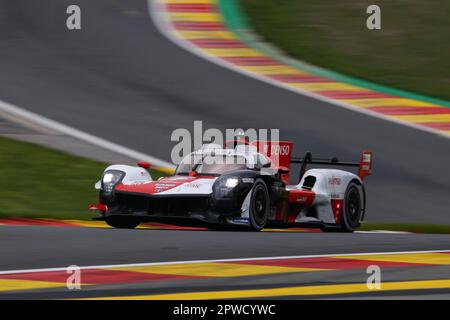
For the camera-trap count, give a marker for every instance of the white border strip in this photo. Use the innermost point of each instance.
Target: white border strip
(163, 24)
(64, 129)
(129, 265)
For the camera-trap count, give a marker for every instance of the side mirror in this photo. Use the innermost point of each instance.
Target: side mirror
(144, 164)
(283, 170)
(193, 173)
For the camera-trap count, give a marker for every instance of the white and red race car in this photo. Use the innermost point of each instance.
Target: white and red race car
(238, 185)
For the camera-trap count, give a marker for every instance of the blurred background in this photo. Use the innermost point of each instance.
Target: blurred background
(410, 51)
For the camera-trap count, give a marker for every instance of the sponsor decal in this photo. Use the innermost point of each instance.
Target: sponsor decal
(248, 180)
(280, 150)
(334, 181)
(141, 182)
(193, 185)
(144, 174)
(164, 186)
(175, 178)
(240, 220)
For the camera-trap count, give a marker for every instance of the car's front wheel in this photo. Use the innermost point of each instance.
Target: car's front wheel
(259, 205)
(122, 223)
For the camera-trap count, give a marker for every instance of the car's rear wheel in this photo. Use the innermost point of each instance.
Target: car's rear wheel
(122, 222)
(353, 205)
(352, 211)
(259, 205)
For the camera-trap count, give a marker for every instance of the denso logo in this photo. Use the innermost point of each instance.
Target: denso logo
(277, 150)
(334, 181)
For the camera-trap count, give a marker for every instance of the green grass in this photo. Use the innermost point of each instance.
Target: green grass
(410, 52)
(39, 182)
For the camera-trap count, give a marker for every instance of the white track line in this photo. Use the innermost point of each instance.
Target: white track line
(130, 265)
(162, 22)
(385, 232)
(36, 119)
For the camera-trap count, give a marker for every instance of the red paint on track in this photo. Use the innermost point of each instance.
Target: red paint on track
(299, 78)
(252, 61)
(34, 222)
(217, 43)
(437, 125)
(198, 26)
(328, 263)
(97, 276)
(190, 7)
(410, 110)
(343, 94)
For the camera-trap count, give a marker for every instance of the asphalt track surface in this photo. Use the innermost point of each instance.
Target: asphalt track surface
(45, 247)
(120, 79)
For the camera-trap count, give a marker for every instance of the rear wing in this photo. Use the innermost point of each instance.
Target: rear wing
(364, 164)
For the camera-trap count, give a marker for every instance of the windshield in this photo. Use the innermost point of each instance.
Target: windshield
(211, 164)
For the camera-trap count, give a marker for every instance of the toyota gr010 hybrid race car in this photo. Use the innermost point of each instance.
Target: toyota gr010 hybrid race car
(238, 185)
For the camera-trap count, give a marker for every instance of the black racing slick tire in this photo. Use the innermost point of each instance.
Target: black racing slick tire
(259, 205)
(352, 211)
(353, 207)
(122, 223)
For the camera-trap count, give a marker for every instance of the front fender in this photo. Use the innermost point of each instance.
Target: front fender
(132, 175)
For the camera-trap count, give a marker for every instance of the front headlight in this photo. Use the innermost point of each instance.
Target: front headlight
(224, 187)
(231, 182)
(110, 179)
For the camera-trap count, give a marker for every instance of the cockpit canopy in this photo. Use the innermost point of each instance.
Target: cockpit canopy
(215, 161)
